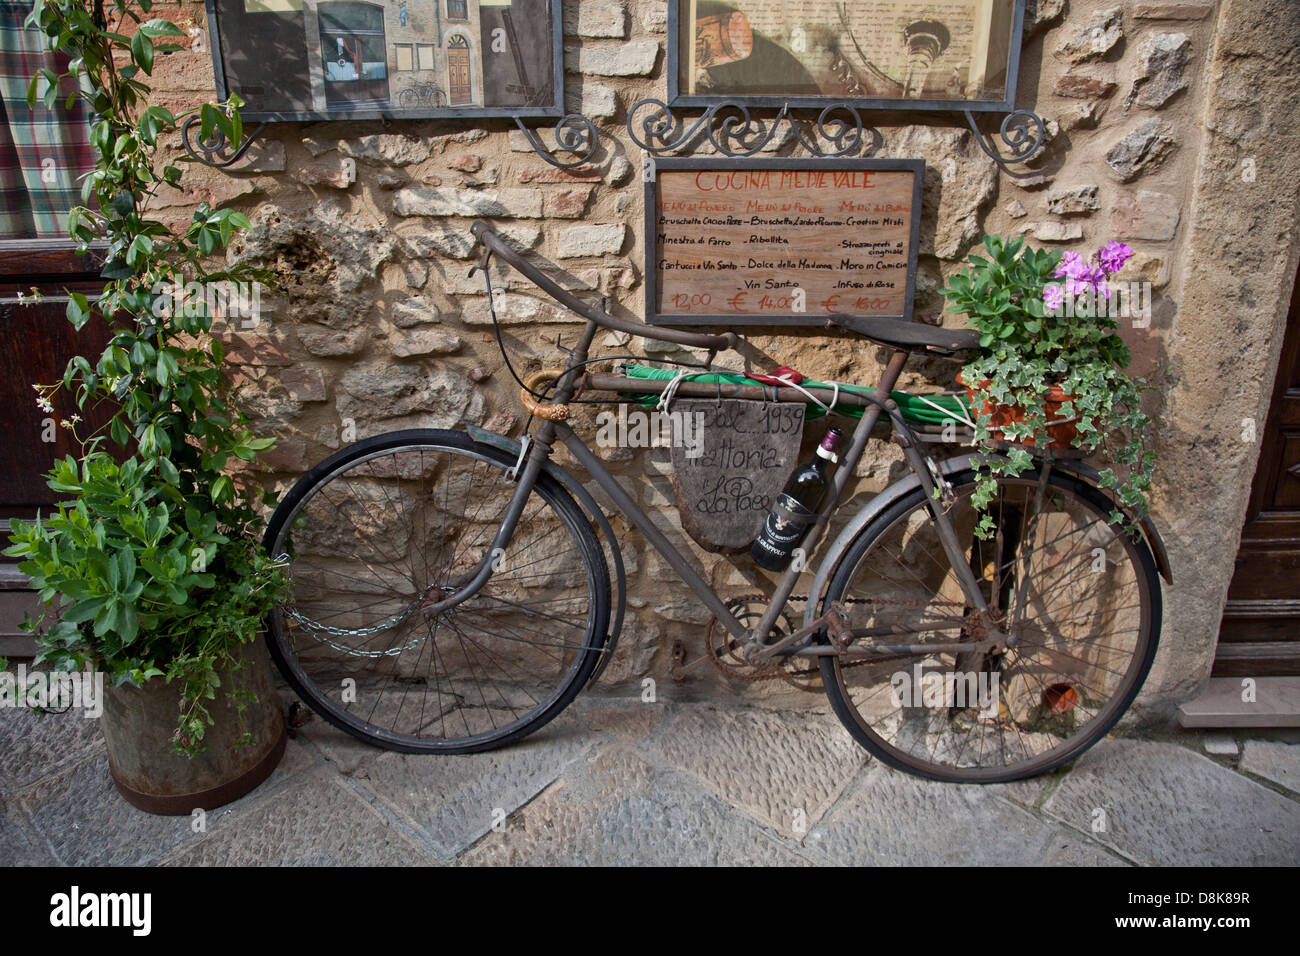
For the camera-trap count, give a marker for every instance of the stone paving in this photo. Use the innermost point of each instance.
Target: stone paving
(681, 781)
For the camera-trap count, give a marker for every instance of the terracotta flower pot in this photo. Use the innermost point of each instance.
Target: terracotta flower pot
(1059, 437)
(139, 724)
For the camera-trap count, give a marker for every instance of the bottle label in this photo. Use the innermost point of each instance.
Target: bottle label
(786, 524)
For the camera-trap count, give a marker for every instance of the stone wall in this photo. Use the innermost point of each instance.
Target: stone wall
(377, 325)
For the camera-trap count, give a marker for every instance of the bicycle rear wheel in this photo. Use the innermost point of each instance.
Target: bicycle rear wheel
(389, 526)
(1078, 596)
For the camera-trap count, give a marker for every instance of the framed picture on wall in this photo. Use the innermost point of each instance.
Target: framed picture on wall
(874, 54)
(360, 59)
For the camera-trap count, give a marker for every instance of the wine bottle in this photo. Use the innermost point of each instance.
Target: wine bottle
(796, 507)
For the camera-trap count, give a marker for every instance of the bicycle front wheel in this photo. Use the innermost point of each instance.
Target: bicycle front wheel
(1078, 597)
(386, 528)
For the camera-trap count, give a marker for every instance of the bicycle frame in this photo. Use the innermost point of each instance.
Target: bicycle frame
(537, 449)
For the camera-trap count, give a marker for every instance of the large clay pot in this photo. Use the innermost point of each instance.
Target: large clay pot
(139, 723)
(1060, 436)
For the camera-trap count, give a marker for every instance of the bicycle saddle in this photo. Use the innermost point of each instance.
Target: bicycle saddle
(907, 335)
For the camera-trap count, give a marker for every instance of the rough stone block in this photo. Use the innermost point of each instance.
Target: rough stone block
(568, 203)
(578, 242)
(595, 18)
(412, 312)
(425, 341)
(1173, 11)
(1084, 87)
(390, 149)
(332, 173)
(1161, 70)
(507, 203)
(1078, 200)
(1145, 215)
(635, 58)
(1145, 147)
(1054, 231)
(1096, 38)
(305, 383)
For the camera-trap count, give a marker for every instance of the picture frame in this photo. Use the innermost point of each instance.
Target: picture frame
(308, 60)
(955, 55)
(771, 228)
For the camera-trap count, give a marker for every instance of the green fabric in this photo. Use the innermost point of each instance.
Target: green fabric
(914, 410)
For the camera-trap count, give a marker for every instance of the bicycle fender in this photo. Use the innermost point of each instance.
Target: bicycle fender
(588, 503)
(837, 548)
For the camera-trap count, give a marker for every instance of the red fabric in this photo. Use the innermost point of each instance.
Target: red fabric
(781, 375)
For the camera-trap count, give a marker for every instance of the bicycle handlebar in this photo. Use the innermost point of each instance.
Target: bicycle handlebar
(497, 245)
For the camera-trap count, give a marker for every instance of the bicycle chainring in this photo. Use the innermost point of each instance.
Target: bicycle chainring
(727, 653)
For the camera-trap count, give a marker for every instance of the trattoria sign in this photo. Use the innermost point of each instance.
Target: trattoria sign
(781, 242)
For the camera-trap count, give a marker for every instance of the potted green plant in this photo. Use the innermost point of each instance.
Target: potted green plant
(1050, 374)
(154, 554)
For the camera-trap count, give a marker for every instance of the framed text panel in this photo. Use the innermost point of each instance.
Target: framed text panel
(782, 241)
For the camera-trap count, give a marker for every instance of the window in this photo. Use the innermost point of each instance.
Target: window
(404, 56)
(424, 56)
(457, 10)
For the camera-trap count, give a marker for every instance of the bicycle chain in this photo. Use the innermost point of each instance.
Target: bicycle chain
(773, 670)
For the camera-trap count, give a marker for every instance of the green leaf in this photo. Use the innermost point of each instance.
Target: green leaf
(142, 51)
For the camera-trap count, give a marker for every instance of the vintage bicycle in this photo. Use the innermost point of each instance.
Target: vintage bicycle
(427, 94)
(453, 591)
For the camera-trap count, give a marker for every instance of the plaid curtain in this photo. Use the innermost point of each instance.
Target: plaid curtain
(43, 152)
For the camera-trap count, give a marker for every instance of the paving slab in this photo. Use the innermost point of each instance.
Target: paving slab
(317, 820)
(34, 745)
(454, 799)
(617, 809)
(20, 844)
(784, 769)
(1065, 848)
(87, 823)
(1277, 762)
(888, 818)
(1158, 803)
(624, 718)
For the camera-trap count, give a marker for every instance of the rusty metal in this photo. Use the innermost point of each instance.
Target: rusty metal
(680, 666)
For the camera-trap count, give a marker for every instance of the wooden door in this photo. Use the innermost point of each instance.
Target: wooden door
(39, 341)
(460, 89)
(1260, 633)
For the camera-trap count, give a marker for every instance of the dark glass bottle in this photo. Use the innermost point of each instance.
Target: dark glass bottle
(796, 507)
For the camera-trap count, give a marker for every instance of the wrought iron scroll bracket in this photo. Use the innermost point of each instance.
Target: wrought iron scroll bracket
(733, 130)
(208, 151)
(1023, 133)
(574, 134)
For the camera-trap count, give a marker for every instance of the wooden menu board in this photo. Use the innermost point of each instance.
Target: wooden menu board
(781, 241)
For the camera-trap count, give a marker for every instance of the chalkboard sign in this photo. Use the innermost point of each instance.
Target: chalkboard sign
(781, 242)
(728, 475)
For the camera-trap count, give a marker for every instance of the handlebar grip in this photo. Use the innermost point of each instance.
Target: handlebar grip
(490, 238)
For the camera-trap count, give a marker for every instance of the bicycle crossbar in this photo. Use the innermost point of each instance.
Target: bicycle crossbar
(689, 389)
